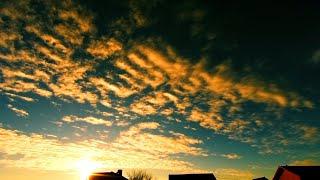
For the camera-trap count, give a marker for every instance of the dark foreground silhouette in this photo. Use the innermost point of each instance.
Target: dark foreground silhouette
(107, 176)
(282, 173)
(208, 176)
(297, 173)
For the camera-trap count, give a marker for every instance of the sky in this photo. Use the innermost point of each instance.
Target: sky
(164, 86)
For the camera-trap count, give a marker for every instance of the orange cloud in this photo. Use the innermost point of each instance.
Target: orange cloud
(207, 120)
(69, 33)
(49, 39)
(104, 87)
(154, 76)
(143, 108)
(103, 47)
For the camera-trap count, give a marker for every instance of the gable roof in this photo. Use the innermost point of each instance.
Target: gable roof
(305, 172)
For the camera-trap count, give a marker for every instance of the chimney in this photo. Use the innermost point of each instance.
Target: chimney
(119, 172)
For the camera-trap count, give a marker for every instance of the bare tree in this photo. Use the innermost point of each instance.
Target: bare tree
(140, 175)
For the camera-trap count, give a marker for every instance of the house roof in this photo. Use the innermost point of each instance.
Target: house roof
(106, 176)
(261, 178)
(206, 176)
(305, 172)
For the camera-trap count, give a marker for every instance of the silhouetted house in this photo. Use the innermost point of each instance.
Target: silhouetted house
(208, 176)
(261, 178)
(107, 176)
(297, 173)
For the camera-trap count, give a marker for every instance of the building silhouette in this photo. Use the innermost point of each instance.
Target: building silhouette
(297, 173)
(107, 176)
(261, 178)
(208, 176)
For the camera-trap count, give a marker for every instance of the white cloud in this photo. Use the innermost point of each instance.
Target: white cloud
(231, 156)
(19, 112)
(89, 119)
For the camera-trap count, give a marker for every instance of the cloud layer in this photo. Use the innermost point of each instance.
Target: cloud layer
(120, 98)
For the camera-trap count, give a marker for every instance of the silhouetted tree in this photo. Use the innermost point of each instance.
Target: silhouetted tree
(140, 175)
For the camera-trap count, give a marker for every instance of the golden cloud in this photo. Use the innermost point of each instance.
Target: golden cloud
(207, 120)
(104, 87)
(103, 47)
(230, 174)
(305, 162)
(140, 150)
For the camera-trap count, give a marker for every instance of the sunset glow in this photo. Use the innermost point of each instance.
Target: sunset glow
(169, 87)
(85, 167)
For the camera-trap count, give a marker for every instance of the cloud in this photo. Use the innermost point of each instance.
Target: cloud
(28, 99)
(143, 108)
(49, 39)
(231, 156)
(52, 57)
(155, 79)
(104, 87)
(19, 112)
(8, 38)
(67, 85)
(237, 125)
(305, 162)
(136, 139)
(102, 48)
(308, 133)
(40, 152)
(150, 104)
(79, 15)
(140, 150)
(154, 76)
(141, 77)
(222, 81)
(69, 34)
(206, 120)
(142, 65)
(18, 81)
(89, 119)
(230, 174)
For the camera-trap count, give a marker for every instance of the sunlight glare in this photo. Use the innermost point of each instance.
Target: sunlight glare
(85, 167)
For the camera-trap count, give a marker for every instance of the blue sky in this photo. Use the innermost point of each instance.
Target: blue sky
(204, 87)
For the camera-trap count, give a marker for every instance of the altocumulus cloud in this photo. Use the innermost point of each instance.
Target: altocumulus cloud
(62, 56)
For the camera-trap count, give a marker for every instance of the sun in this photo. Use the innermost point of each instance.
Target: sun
(85, 167)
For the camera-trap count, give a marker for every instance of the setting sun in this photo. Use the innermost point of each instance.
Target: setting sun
(85, 167)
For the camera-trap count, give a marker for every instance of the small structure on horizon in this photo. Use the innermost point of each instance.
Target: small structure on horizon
(297, 173)
(207, 176)
(261, 178)
(107, 176)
